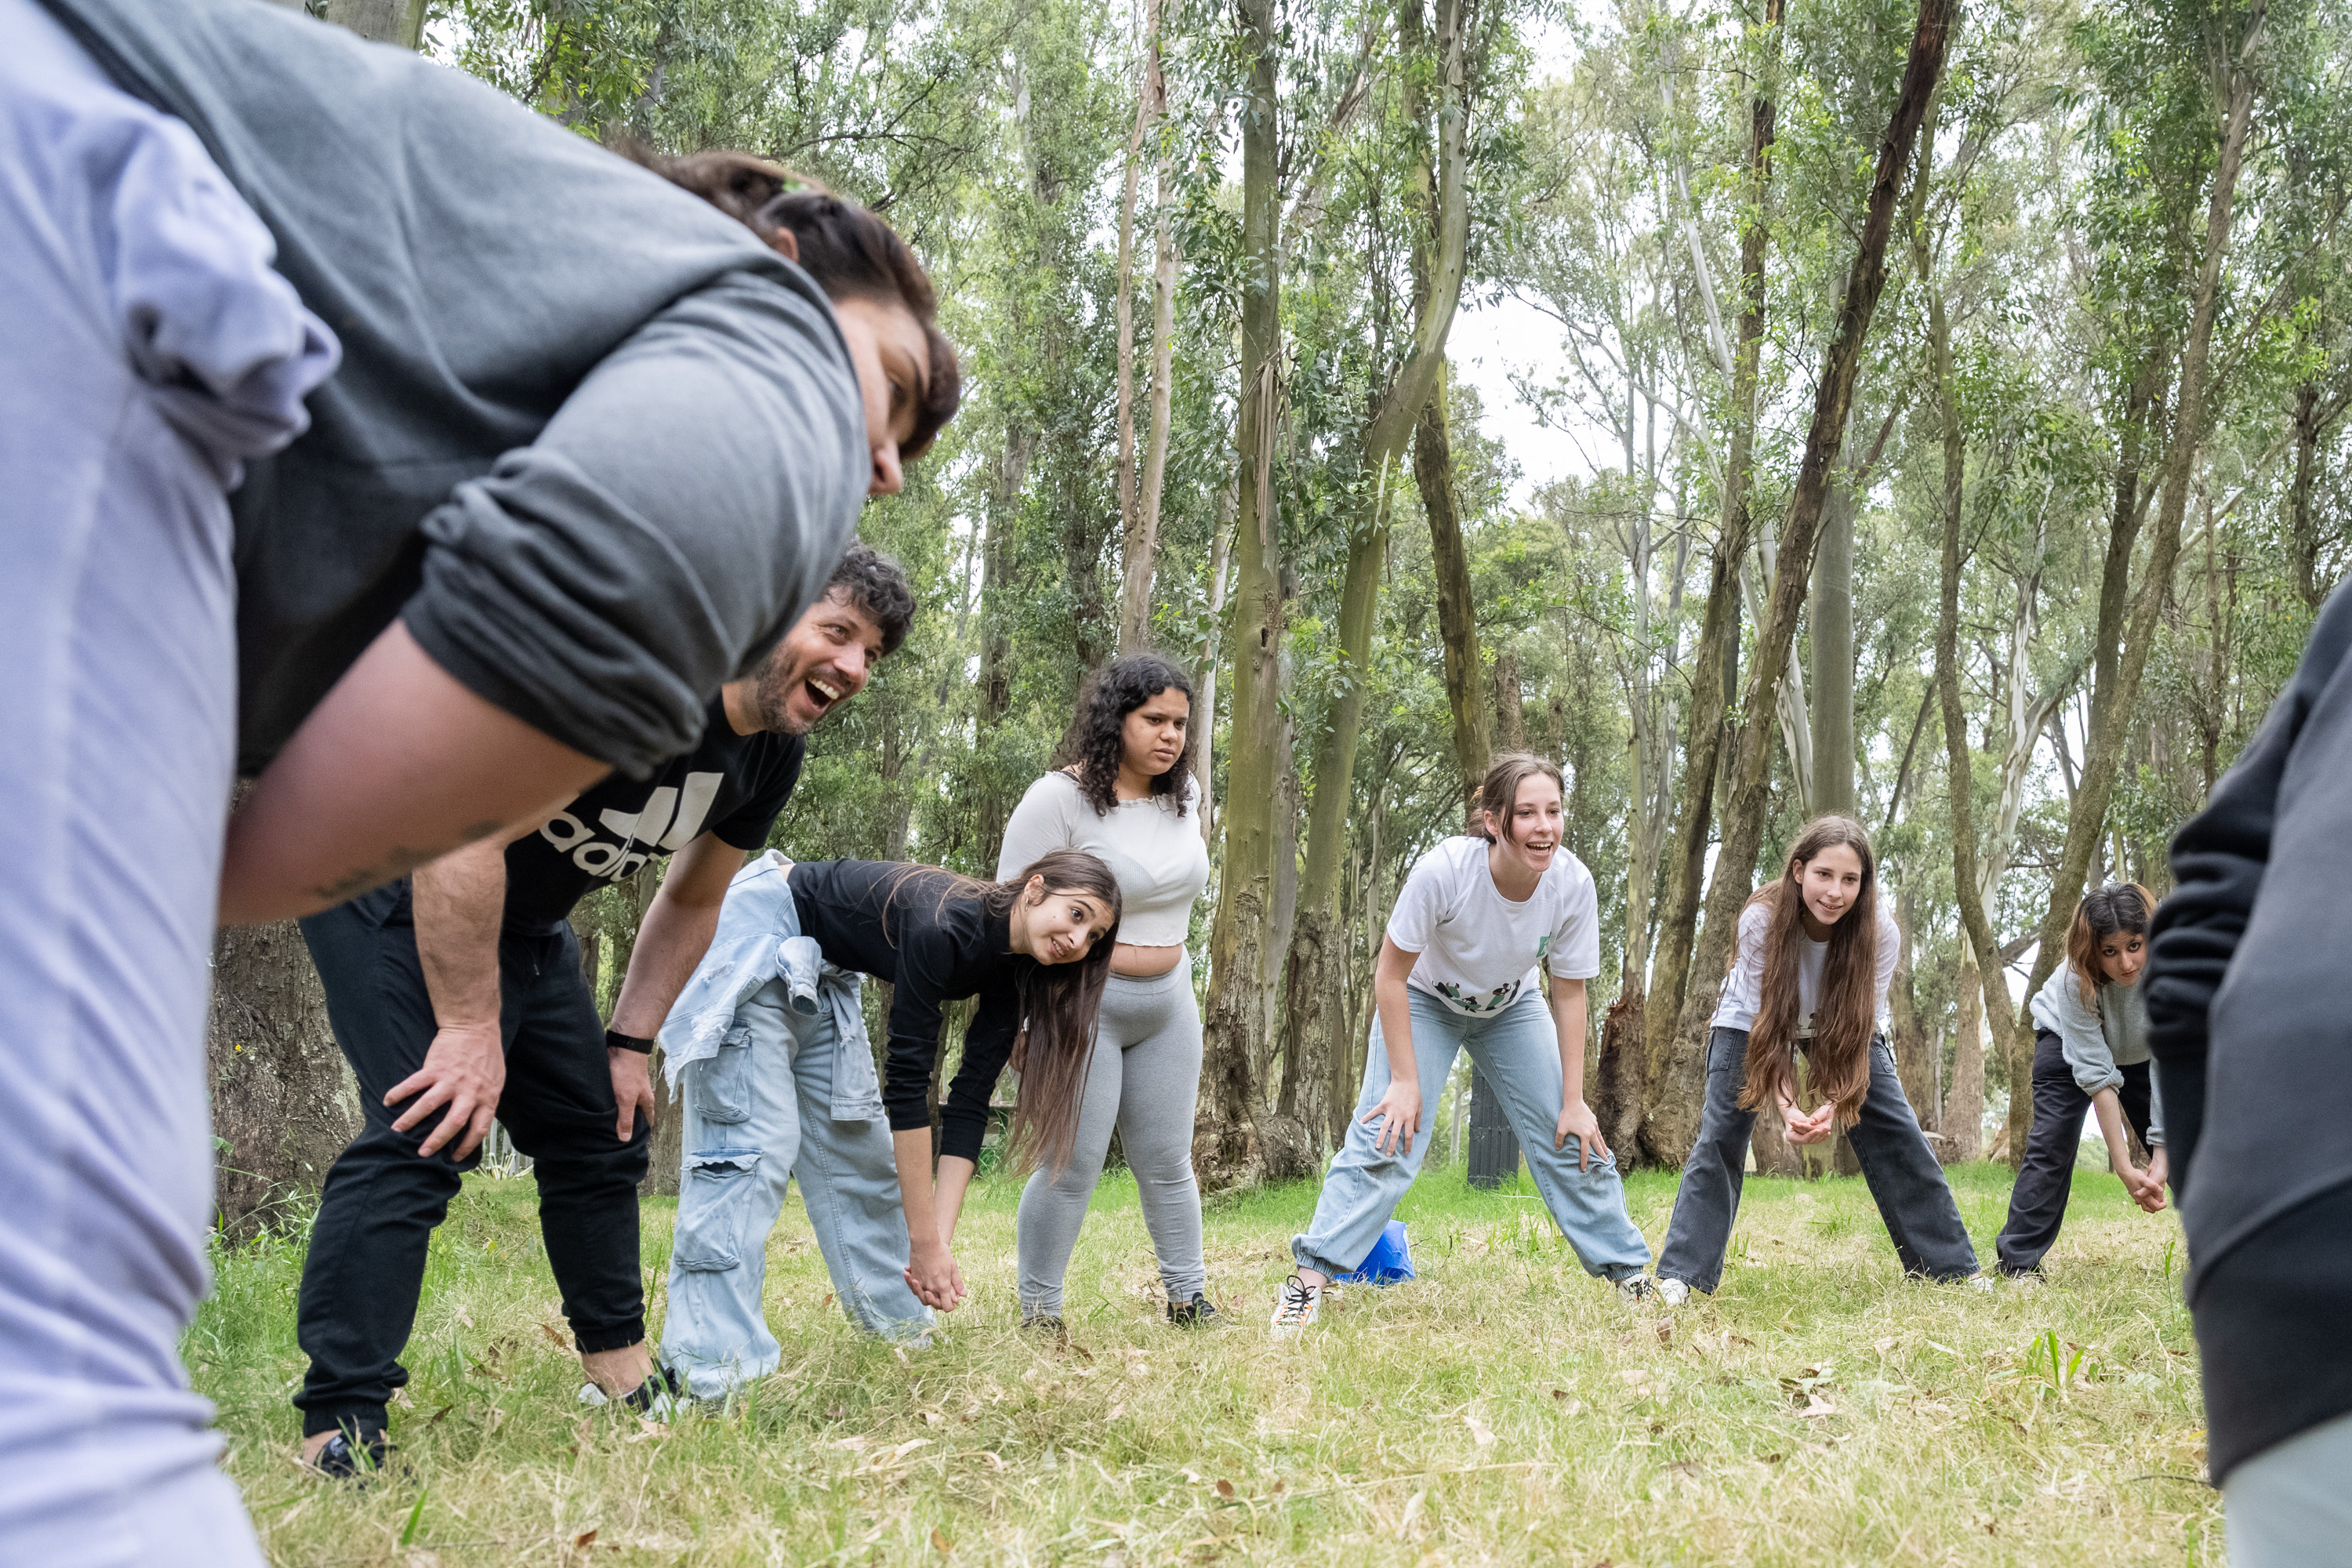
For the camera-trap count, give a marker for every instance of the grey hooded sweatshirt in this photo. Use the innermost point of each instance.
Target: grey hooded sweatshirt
(592, 442)
(2253, 1043)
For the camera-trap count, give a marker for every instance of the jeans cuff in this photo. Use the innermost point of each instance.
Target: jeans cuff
(1300, 1255)
(590, 1342)
(357, 1417)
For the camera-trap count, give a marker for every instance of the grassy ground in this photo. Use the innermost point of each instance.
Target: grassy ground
(1501, 1408)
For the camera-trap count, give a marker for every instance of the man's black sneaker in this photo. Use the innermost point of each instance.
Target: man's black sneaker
(1045, 1326)
(1200, 1312)
(346, 1461)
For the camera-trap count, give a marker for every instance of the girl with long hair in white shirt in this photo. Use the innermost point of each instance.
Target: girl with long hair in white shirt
(1815, 957)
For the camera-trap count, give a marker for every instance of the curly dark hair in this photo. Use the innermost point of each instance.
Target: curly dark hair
(1091, 750)
(873, 583)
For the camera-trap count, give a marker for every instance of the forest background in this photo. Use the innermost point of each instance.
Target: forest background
(1956, 397)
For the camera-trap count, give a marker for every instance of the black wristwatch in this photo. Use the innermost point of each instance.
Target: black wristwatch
(617, 1041)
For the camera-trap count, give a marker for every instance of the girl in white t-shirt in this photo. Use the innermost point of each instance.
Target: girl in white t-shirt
(1816, 955)
(1458, 972)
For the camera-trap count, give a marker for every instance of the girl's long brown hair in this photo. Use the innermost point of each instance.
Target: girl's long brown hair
(2118, 906)
(1058, 1001)
(1846, 1014)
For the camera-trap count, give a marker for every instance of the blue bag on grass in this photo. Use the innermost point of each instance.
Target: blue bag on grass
(1390, 1261)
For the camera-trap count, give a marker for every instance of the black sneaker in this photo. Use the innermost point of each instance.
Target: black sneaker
(652, 1397)
(1200, 1312)
(1045, 1326)
(344, 1460)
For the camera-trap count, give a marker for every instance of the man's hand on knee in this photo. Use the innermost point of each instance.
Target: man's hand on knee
(465, 1069)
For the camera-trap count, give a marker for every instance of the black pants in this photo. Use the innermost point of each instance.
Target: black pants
(366, 1265)
(1905, 1180)
(2037, 1204)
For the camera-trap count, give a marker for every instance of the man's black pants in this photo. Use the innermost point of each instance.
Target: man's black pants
(2037, 1204)
(366, 1265)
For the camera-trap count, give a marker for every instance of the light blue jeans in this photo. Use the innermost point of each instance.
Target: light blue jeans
(758, 1114)
(1518, 1051)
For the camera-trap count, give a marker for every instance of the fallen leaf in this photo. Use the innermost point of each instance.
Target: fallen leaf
(1560, 1393)
(1665, 1331)
(1414, 1506)
(940, 1542)
(1816, 1406)
(1478, 1432)
(552, 1337)
(908, 1446)
(585, 1537)
(1224, 1488)
(996, 1461)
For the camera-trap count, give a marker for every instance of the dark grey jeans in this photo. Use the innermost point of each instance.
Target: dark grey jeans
(1906, 1181)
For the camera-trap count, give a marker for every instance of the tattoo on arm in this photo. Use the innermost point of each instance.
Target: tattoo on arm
(398, 861)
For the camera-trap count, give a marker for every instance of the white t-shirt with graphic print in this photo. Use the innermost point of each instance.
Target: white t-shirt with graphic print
(1479, 950)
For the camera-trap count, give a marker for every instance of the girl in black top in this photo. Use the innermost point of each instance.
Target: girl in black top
(1035, 951)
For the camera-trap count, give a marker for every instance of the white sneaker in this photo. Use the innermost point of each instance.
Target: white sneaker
(1297, 1308)
(1673, 1292)
(1979, 1280)
(1636, 1289)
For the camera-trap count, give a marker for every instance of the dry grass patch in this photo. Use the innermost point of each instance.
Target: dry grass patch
(1502, 1408)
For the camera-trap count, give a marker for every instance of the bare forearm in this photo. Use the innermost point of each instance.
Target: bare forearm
(398, 765)
(1569, 1017)
(1396, 1030)
(955, 1179)
(911, 1150)
(458, 901)
(2110, 1113)
(671, 943)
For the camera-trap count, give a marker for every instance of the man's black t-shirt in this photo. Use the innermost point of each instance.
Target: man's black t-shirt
(731, 785)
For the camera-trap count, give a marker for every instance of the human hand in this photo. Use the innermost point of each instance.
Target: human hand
(2160, 1168)
(931, 1273)
(1806, 1131)
(2146, 1187)
(464, 1069)
(633, 1089)
(1398, 1114)
(1576, 1118)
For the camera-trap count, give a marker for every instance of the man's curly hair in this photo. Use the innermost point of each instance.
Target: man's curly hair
(1091, 750)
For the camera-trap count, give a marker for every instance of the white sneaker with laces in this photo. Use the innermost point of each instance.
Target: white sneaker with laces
(1979, 1281)
(1297, 1308)
(1674, 1292)
(1636, 1289)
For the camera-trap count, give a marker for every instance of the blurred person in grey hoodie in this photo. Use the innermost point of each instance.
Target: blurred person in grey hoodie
(592, 449)
(2252, 1042)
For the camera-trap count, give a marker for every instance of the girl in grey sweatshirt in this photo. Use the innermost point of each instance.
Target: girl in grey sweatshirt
(2091, 1053)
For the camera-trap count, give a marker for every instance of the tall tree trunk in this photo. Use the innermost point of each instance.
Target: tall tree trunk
(1910, 1041)
(1743, 819)
(1212, 638)
(398, 21)
(1315, 1018)
(2303, 526)
(1665, 1138)
(284, 1099)
(1139, 510)
(1457, 615)
(1962, 1121)
(1235, 1138)
(1983, 947)
(2112, 705)
(1832, 634)
(993, 806)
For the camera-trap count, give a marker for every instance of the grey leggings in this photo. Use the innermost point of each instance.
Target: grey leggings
(1143, 1080)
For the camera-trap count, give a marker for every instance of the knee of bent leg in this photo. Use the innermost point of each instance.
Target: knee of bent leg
(715, 1204)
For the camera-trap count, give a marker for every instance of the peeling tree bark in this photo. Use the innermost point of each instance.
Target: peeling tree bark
(1235, 1138)
(1743, 819)
(1315, 1016)
(1667, 1139)
(2111, 703)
